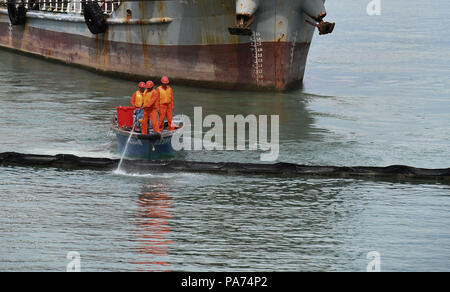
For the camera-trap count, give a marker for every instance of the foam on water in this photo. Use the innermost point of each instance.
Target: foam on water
(124, 173)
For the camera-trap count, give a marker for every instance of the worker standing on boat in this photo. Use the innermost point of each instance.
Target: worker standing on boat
(151, 107)
(137, 100)
(165, 94)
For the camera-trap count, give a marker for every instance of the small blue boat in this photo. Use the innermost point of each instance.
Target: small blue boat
(150, 146)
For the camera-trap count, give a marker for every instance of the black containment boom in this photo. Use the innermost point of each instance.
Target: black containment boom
(396, 172)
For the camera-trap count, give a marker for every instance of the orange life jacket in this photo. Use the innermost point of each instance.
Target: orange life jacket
(149, 101)
(165, 95)
(139, 99)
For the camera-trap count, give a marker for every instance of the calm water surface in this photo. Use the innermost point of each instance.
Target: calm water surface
(376, 92)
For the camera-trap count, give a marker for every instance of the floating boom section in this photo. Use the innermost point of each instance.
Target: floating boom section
(398, 172)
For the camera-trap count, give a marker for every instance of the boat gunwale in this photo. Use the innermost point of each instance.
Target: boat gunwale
(154, 136)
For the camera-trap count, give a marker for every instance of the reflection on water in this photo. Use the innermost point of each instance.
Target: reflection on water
(153, 230)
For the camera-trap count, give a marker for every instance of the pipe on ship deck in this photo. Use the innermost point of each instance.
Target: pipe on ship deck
(64, 161)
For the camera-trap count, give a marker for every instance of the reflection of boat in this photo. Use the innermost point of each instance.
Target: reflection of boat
(154, 211)
(143, 146)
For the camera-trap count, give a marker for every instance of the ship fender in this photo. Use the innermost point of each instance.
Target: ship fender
(17, 12)
(94, 17)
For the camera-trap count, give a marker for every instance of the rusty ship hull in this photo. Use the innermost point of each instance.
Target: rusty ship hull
(191, 41)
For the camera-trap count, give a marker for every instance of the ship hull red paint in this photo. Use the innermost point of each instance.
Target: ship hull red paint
(277, 66)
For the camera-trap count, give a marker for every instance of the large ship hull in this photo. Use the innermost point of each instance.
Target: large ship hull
(186, 40)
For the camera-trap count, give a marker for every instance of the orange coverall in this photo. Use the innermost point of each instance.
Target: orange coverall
(151, 107)
(165, 94)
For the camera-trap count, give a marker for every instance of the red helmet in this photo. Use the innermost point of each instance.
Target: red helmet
(150, 84)
(165, 80)
(141, 85)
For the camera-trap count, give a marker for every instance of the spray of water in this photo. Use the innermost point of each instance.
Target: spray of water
(125, 151)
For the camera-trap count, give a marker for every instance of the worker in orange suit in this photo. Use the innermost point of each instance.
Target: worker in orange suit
(137, 100)
(151, 107)
(165, 94)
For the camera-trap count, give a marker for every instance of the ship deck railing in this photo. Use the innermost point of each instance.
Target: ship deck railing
(65, 6)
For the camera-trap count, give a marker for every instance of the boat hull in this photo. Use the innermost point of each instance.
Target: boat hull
(188, 41)
(216, 66)
(144, 146)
